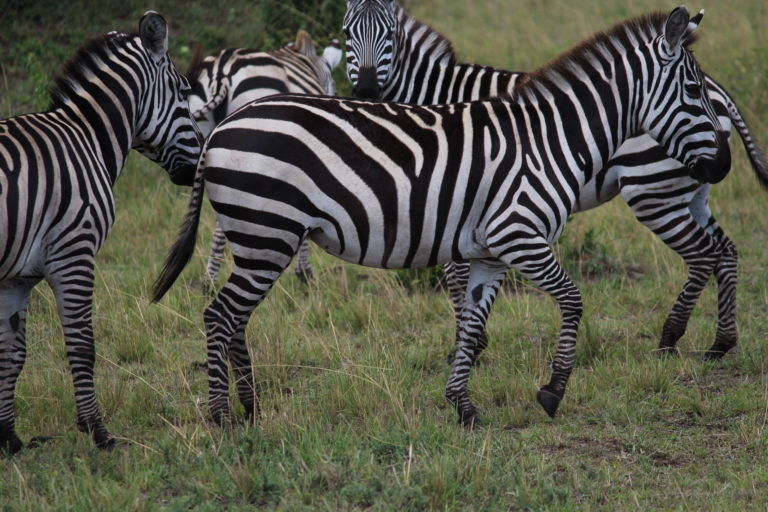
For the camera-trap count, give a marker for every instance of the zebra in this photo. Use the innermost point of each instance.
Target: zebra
(227, 80)
(391, 56)
(497, 177)
(57, 169)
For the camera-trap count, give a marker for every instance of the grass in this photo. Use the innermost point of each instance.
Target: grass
(353, 366)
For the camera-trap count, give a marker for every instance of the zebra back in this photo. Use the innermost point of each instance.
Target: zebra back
(228, 79)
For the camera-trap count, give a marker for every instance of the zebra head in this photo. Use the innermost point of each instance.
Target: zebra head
(679, 114)
(370, 27)
(166, 132)
(324, 64)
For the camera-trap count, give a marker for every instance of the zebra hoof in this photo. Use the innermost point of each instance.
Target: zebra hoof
(252, 415)
(713, 354)
(549, 401)
(667, 352)
(719, 349)
(470, 420)
(199, 366)
(38, 441)
(207, 287)
(11, 444)
(104, 441)
(304, 275)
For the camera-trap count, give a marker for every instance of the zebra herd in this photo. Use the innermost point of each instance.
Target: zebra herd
(436, 162)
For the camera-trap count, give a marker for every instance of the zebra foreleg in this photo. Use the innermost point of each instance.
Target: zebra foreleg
(484, 280)
(14, 298)
(538, 264)
(73, 287)
(216, 256)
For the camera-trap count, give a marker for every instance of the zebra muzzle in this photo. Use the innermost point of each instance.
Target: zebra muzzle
(713, 170)
(367, 86)
(183, 174)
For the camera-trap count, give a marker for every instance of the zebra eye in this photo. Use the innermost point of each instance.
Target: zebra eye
(693, 90)
(346, 33)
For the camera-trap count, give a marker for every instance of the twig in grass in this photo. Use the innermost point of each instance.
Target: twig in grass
(132, 374)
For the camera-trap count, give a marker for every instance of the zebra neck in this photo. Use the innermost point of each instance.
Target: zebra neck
(109, 135)
(103, 104)
(426, 72)
(593, 110)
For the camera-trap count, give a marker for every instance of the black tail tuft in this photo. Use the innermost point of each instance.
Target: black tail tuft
(182, 249)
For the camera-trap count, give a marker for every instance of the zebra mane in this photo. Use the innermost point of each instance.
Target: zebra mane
(439, 46)
(196, 65)
(625, 34)
(75, 71)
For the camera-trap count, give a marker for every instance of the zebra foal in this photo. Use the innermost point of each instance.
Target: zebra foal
(358, 178)
(225, 81)
(57, 169)
(391, 56)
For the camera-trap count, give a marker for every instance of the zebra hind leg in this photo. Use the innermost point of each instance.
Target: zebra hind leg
(682, 222)
(304, 268)
(215, 258)
(456, 277)
(247, 391)
(14, 298)
(538, 264)
(725, 272)
(73, 288)
(701, 255)
(485, 277)
(225, 320)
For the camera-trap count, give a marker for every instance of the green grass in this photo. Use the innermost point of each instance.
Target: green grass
(353, 367)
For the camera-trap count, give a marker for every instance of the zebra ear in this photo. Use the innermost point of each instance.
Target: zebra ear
(693, 24)
(153, 31)
(675, 28)
(332, 53)
(304, 44)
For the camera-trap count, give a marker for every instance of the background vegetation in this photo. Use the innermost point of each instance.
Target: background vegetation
(353, 366)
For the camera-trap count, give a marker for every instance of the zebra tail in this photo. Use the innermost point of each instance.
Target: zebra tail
(209, 107)
(193, 71)
(184, 246)
(756, 156)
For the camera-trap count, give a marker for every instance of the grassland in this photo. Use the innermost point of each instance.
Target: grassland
(353, 366)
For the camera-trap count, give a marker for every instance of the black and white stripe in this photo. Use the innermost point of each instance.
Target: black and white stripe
(227, 80)
(393, 57)
(402, 186)
(57, 169)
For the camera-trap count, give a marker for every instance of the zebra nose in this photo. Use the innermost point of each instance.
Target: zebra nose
(367, 86)
(713, 170)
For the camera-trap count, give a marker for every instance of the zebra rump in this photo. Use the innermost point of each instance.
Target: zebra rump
(227, 80)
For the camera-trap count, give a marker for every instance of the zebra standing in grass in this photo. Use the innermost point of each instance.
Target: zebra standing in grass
(57, 169)
(394, 57)
(401, 186)
(227, 80)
